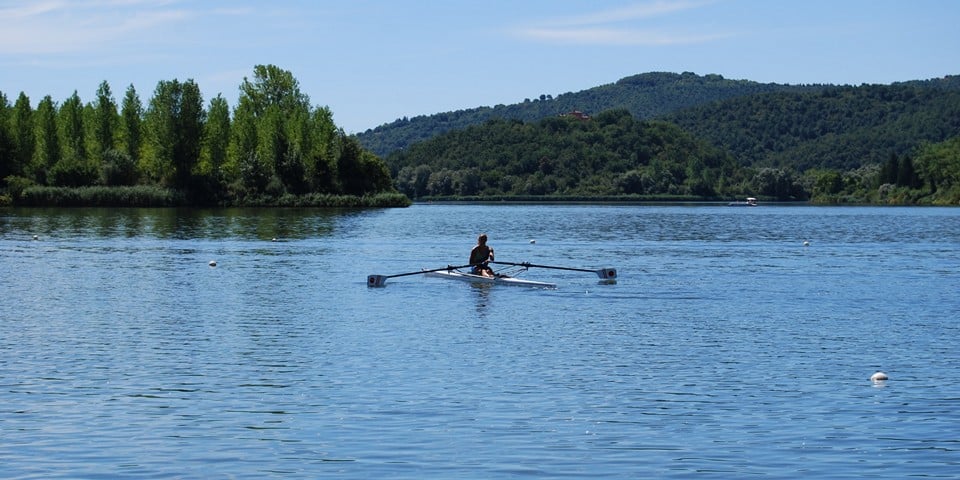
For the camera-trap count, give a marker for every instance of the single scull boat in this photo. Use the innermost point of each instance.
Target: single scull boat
(498, 280)
(607, 275)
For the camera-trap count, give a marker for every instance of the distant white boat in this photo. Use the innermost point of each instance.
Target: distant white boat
(751, 202)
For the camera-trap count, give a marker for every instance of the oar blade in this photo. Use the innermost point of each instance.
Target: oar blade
(607, 274)
(381, 280)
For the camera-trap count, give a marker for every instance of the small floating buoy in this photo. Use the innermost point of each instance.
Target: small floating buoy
(35, 237)
(274, 239)
(806, 243)
(879, 377)
(213, 263)
(533, 241)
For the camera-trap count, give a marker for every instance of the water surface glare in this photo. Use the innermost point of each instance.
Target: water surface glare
(736, 342)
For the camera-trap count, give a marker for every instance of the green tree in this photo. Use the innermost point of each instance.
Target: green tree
(7, 146)
(778, 183)
(906, 176)
(889, 170)
(190, 123)
(160, 129)
(441, 183)
(413, 181)
(216, 137)
(24, 134)
(350, 169)
(242, 161)
(117, 168)
(273, 86)
(321, 157)
(630, 182)
(105, 121)
(939, 167)
(174, 123)
(72, 168)
(828, 182)
(272, 141)
(47, 151)
(131, 124)
(281, 116)
(72, 134)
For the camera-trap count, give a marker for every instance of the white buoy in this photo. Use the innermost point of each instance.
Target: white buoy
(213, 263)
(879, 377)
(806, 243)
(533, 241)
(35, 237)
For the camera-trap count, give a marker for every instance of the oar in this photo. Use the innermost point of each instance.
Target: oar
(381, 280)
(604, 273)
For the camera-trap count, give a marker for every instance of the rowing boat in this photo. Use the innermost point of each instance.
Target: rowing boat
(607, 275)
(498, 280)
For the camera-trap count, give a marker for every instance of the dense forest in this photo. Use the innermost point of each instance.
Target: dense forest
(840, 127)
(610, 154)
(613, 156)
(274, 148)
(830, 144)
(645, 96)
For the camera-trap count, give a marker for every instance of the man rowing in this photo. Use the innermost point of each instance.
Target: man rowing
(479, 256)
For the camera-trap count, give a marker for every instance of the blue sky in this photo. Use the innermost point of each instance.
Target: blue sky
(373, 61)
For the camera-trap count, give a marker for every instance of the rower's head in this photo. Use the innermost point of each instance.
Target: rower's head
(482, 239)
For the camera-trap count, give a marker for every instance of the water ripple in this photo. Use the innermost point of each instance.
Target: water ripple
(726, 347)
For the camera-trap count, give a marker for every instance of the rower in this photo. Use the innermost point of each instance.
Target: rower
(480, 255)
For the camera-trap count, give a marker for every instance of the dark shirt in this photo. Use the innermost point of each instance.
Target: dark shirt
(479, 254)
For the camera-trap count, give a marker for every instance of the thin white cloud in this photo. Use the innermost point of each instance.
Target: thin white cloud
(234, 11)
(596, 28)
(21, 10)
(628, 13)
(60, 27)
(617, 36)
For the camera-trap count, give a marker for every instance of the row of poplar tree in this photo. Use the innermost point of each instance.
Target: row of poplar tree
(273, 143)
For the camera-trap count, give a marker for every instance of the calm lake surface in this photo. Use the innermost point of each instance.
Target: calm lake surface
(727, 348)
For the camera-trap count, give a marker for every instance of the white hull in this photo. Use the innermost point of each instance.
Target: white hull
(751, 202)
(469, 277)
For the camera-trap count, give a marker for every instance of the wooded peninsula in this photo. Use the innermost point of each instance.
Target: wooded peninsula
(650, 137)
(273, 149)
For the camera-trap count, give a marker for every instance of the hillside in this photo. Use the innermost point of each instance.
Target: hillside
(609, 155)
(870, 143)
(645, 96)
(840, 127)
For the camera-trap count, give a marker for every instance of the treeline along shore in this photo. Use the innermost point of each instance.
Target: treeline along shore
(650, 137)
(665, 135)
(273, 149)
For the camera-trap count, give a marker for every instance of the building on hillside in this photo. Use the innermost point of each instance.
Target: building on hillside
(576, 114)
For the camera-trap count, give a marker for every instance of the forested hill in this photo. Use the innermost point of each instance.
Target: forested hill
(612, 154)
(840, 128)
(645, 96)
(894, 144)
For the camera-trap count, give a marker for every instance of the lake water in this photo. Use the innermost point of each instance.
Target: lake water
(727, 348)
